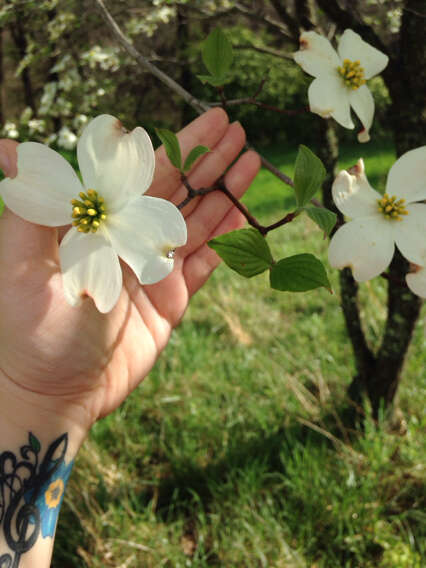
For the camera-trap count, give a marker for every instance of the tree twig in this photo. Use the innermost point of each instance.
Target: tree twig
(254, 102)
(220, 185)
(266, 51)
(198, 105)
(259, 15)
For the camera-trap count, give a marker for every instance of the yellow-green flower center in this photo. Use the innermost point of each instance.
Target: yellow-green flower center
(88, 212)
(392, 208)
(352, 74)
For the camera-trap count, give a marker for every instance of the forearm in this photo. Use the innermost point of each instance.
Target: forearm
(37, 449)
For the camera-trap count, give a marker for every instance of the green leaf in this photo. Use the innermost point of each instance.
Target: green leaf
(217, 53)
(309, 173)
(34, 443)
(171, 144)
(244, 250)
(299, 273)
(1, 206)
(193, 155)
(213, 80)
(324, 218)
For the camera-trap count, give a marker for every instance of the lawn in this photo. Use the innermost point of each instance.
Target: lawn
(225, 456)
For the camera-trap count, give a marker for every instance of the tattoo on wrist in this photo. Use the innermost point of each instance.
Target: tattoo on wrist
(31, 493)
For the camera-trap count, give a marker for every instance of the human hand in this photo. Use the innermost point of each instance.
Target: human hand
(75, 361)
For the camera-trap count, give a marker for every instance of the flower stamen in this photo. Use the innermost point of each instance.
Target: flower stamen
(392, 208)
(88, 211)
(352, 74)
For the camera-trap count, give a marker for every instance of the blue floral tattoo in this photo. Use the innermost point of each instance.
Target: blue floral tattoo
(31, 494)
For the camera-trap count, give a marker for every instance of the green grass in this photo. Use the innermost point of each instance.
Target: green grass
(224, 455)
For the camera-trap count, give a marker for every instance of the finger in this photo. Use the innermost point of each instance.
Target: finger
(213, 207)
(170, 296)
(213, 165)
(8, 157)
(20, 241)
(200, 264)
(206, 130)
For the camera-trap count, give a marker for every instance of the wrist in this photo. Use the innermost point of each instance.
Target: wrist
(39, 439)
(22, 411)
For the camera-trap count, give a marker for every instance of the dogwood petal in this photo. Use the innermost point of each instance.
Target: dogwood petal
(410, 233)
(366, 245)
(362, 102)
(143, 232)
(328, 96)
(353, 47)
(116, 163)
(416, 281)
(90, 266)
(352, 193)
(316, 56)
(407, 176)
(43, 188)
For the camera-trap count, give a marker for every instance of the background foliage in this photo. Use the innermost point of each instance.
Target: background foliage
(60, 68)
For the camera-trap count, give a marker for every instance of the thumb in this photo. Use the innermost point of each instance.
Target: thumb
(21, 241)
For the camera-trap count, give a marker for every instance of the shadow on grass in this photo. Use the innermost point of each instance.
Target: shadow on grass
(176, 491)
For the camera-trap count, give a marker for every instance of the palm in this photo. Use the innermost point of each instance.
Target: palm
(96, 360)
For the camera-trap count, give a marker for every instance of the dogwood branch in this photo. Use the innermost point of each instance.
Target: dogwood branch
(252, 101)
(198, 105)
(221, 186)
(266, 50)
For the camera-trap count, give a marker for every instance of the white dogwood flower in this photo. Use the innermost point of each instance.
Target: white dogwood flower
(367, 242)
(109, 215)
(340, 77)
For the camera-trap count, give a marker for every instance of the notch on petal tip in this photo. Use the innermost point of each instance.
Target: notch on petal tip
(363, 136)
(358, 169)
(119, 126)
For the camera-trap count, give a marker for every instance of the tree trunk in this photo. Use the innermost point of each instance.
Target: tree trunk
(183, 40)
(364, 358)
(53, 75)
(406, 81)
(20, 40)
(1, 77)
(379, 375)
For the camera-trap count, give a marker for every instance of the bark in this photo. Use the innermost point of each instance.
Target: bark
(281, 8)
(1, 77)
(18, 34)
(183, 40)
(53, 75)
(305, 14)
